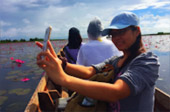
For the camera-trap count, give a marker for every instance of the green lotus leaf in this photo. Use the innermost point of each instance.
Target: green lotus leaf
(11, 77)
(19, 91)
(14, 72)
(15, 107)
(3, 99)
(30, 64)
(39, 71)
(36, 77)
(23, 74)
(4, 60)
(2, 92)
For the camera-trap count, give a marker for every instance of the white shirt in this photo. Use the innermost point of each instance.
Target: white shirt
(94, 52)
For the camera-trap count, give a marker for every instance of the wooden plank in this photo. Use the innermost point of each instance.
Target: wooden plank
(162, 101)
(33, 103)
(46, 102)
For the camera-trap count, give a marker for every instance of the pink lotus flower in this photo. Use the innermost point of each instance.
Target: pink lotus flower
(19, 64)
(25, 79)
(19, 61)
(12, 58)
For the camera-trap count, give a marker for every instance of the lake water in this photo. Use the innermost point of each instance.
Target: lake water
(15, 93)
(160, 45)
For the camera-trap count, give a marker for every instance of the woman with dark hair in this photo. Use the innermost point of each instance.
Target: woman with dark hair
(132, 90)
(73, 46)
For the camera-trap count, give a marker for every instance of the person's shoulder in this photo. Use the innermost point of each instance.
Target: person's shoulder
(84, 46)
(107, 41)
(65, 47)
(149, 55)
(147, 58)
(89, 44)
(82, 43)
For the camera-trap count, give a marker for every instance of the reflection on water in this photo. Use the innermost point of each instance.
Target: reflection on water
(159, 44)
(19, 80)
(163, 80)
(19, 74)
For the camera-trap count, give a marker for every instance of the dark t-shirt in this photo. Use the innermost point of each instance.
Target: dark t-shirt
(140, 75)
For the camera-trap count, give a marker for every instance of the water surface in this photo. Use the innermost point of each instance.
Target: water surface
(15, 94)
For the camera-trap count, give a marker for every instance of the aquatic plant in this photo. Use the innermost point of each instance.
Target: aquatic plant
(3, 92)
(15, 107)
(14, 72)
(25, 79)
(3, 99)
(19, 91)
(11, 77)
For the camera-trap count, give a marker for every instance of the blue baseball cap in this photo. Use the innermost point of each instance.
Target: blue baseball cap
(121, 21)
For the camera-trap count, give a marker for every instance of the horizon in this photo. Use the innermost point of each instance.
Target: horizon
(158, 33)
(28, 19)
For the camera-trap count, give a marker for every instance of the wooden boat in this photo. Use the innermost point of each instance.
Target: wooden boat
(48, 92)
(162, 100)
(48, 97)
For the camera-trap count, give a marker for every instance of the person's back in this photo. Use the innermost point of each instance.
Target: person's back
(97, 49)
(74, 43)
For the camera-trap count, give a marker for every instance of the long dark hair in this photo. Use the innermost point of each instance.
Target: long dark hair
(74, 38)
(136, 49)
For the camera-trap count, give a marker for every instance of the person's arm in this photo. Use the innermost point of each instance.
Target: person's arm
(80, 71)
(96, 90)
(72, 69)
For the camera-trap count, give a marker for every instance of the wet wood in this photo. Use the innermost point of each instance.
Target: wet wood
(162, 101)
(46, 102)
(33, 105)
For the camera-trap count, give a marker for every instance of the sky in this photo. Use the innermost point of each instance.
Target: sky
(29, 18)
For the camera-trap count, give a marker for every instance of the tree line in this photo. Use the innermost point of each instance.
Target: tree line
(21, 40)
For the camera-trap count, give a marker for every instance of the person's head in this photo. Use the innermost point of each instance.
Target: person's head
(74, 38)
(94, 29)
(125, 32)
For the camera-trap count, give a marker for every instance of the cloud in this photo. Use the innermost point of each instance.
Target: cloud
(12, 6)
(161, 4)
(26, 21)
(3, 23)
(7, 6)
(12, 32)
(30, 18)
(18, 33)
(154, 24)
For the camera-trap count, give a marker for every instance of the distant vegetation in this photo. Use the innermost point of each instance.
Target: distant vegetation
(21, 40)
(40, 39)
(159, 33)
